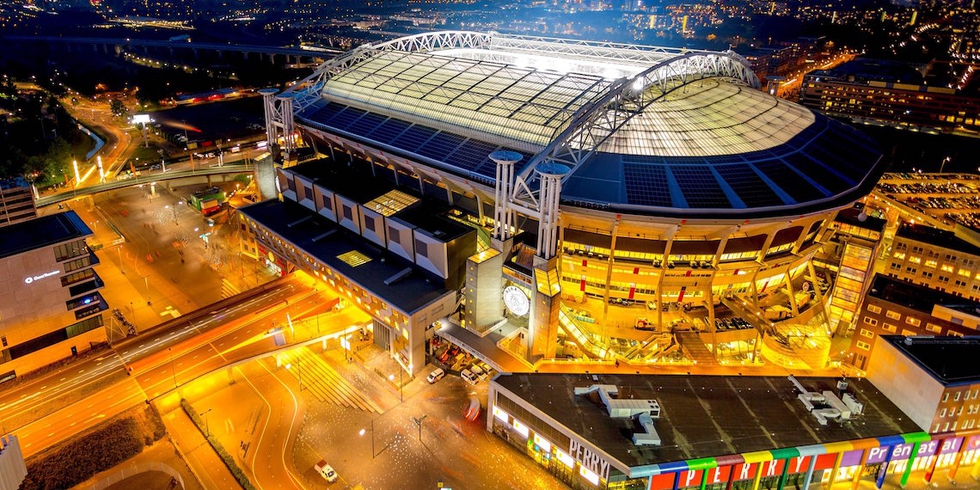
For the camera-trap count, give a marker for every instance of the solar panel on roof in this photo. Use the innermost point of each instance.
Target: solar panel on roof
(389, 130)
(471, 154)
(646, 185)
(366, 124)
(751, 189)
(413, 137)
(784, 176)
(326, 113)
(345, 118)
(699, 186)
(440, 145)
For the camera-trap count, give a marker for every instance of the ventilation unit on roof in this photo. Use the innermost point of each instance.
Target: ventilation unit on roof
(398, 276)
(642, 411)
(826, 405)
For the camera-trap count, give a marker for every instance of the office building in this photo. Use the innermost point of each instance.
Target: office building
(50, 305)
(897, 307)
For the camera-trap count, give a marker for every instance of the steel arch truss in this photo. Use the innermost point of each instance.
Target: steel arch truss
(307, 91)
(579, 139)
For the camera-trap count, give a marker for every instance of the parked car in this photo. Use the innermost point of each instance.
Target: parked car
(435, 375)
(469, 376)
(479, 372)
(326, 471)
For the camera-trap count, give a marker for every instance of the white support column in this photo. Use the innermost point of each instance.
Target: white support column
(502, 214)
(550, 175)
(288, 125)
(268, 103)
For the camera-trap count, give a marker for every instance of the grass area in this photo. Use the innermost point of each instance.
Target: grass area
(218, 448)
(142, 153)
(97, 449)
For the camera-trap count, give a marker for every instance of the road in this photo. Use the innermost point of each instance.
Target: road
(68, 393)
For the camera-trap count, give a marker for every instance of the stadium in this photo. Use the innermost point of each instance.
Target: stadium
(620, 196)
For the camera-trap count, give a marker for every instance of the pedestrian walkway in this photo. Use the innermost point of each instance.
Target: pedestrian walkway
(324, 382)
(197, 453)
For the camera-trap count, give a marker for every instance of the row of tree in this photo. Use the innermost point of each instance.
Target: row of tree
(39, 138)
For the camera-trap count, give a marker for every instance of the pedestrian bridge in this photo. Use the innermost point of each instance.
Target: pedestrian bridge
(68, 194)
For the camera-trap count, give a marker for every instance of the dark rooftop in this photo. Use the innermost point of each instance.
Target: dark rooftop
(41, 232)
(935, 236)
(409, 294)
(706, 416)
(950, 360)
(917, 297)
(430, 217)
(360, 187)
(865, 69)
(852, 216)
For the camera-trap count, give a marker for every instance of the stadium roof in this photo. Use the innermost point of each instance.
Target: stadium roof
(644, 129)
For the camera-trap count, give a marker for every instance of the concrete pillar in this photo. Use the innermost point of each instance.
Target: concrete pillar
(502, 214)
(551, 175)
(545, 304)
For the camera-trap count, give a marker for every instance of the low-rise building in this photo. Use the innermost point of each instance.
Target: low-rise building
(897, 307)
(400, 257)
(935, 380)
(16, 201)
(616, 431)
(937, 259)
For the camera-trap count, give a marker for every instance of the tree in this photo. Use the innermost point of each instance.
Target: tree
(117, 107)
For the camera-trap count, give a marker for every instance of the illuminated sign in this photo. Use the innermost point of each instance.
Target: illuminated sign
(141, 118)
(516, 301)
(30, 279)
(588, 459)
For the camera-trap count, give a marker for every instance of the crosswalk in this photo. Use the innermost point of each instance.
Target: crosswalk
(228, 289)
(324, 382)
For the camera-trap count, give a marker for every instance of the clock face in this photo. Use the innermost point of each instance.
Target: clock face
(516, 301)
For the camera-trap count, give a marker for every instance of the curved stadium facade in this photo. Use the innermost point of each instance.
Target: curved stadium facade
(617, 187)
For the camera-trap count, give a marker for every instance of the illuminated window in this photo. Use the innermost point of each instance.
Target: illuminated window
(874, 309)
(354, 258)
(588, 475)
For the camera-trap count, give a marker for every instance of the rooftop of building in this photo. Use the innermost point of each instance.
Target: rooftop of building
(708, 148)
(706, 416)
(360, 187)
(869, 69)
(937, 237)
(327, 241)
(13, 182)
(431, 218)
(41, 232)
(949, 360)
(853, 217)
(919, 298)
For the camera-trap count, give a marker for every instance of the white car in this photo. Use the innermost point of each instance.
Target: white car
(326, 471)
(435, 375)
(479, 372)
(469, 376)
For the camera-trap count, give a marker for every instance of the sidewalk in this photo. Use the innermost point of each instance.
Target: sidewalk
(203, 461)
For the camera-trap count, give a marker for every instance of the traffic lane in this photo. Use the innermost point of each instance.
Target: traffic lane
(24, 404)
(155, 341)
(18, 401)
(188, 365)
(268, 462)
(80, 416)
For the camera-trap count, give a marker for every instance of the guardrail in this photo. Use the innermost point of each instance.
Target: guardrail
(142, 179)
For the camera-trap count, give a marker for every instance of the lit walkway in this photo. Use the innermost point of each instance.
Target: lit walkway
(484, 348)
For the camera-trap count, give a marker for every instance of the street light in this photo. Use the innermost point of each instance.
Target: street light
(173, 368)
(299, 373)
(362, 432)
(207, 427)
(147, 284)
